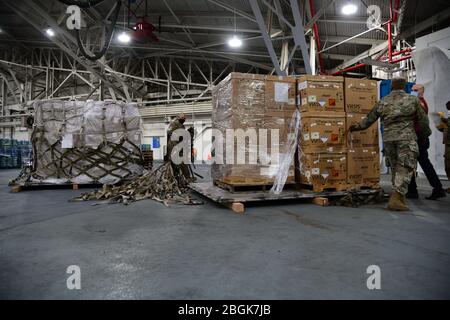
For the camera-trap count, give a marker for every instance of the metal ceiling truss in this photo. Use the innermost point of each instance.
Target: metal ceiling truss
(42, 73)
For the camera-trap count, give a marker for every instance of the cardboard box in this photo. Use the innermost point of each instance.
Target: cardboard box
(323, 170)
(365, 138)
(320, 93)
(363, 167)
(360, 95)
(323, 132)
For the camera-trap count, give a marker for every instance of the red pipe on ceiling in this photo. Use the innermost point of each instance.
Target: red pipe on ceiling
(348, 69)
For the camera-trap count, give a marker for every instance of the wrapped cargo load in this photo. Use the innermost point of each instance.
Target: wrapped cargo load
(246, 104)
(85, 142)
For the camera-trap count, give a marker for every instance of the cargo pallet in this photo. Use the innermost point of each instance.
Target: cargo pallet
(236, 201)
(51, 186)
(246, 186)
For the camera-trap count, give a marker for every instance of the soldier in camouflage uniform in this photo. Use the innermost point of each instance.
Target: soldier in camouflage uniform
(444, 127)
(177, 123)
(398, 112)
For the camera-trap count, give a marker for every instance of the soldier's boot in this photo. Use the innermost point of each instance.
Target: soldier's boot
(397, 202)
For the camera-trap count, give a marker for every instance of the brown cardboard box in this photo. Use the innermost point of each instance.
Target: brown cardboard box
(360, 95)
(364, 138)
(323, 171)
(323, 132)
(363, 167)
(320, 93)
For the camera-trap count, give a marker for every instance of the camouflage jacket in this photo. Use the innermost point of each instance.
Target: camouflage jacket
(398, 112)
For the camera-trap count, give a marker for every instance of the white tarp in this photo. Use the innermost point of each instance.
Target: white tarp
(86, 141)
(433, 71)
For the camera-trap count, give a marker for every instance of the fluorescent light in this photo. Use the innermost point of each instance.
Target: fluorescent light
(124, 38)
(349, 8)
(235, 42)
(50, 32)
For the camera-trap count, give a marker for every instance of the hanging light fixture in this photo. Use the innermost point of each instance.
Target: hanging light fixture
(123, 37)
(50, 32)
(349, 8)
(235, 41)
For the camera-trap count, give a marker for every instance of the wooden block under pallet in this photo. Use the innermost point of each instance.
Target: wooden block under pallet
(321, 201)
(237, 207)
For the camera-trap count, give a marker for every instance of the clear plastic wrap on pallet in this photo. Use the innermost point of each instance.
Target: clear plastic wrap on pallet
(238, 103)
(287, 157)
(257, 108)
(85, 142)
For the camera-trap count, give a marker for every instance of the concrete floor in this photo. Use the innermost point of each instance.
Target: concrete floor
(275, 251)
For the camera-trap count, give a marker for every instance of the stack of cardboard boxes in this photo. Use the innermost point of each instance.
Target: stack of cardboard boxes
(248, 101)
(322, 149)
(363, 155)
(328, 156)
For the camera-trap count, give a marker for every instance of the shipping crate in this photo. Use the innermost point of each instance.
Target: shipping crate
(327, 171)
(320, 93)
(363, 167)
(322, 132)
(364, 138)
(360, 95)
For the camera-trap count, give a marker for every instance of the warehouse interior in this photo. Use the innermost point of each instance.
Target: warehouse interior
(135, 66)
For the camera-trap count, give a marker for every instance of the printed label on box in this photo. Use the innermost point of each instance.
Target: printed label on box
(306, 136)
(315, 135)
(315, 171)
(312, 99)
(332, 102)
(302, 85)
(322, 102)
(281, 92)
(67, 141)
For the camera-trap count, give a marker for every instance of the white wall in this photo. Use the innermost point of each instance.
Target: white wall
(432, 62)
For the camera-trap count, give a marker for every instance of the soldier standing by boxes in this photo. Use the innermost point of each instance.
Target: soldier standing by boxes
(398, 112)
(423, 159)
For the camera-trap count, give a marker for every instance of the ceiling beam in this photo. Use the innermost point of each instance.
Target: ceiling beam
(232, 9)
(266, 37)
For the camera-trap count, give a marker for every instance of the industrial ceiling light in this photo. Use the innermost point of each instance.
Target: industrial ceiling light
(50, 32)
(349, 8)
(235, 42)
(124, 37)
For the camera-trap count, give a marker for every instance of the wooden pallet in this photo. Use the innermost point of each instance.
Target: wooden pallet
(48, 186)
(237, 201)
(366, 185)
(246, 186)
(329, 187)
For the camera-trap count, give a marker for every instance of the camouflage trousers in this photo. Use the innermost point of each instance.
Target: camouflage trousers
(401, 157)
(447, 160)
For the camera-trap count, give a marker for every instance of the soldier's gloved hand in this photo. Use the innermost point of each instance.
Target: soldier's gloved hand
(354, 127)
